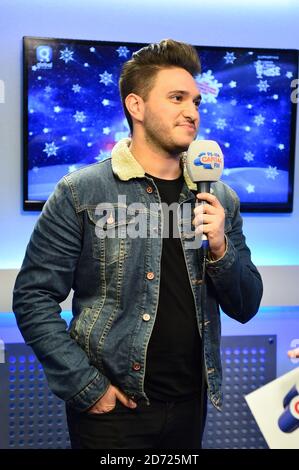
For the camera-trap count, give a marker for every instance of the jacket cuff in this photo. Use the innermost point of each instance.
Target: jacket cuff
(220, 265)
(90, 394)
(210, 257)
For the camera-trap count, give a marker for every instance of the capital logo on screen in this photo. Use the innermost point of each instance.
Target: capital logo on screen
(289, 419)
(44, 54)
(208, 160)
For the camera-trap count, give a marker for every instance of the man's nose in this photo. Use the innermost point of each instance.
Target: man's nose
(191, 111)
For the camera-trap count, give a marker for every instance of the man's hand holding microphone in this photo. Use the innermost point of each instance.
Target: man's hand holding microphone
(205, 165)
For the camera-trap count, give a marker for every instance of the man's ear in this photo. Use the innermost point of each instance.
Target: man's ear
(135, 105)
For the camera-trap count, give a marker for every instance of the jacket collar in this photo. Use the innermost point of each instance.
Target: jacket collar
(125, 166)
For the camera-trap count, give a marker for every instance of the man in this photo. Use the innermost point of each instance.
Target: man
(131, 368)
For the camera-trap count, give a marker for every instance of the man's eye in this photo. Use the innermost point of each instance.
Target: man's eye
(177, 97)
(197, 103)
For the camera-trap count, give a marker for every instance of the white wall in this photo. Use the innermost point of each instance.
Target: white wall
(264, 23)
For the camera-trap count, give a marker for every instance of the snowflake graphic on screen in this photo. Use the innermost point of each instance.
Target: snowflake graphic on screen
(233, 84)
(259, 120)
(250, 188)
(106, 78)
(76, 88)
(105, 102)
(50, 149)
(66, 55)
(249, 156)
(106, 130)
(79, 116)
(281, 146)
(57, 109)
(123, 51)
(229, 57)
(48, 89)
(263, 85)
(221, 123)
(209, 87)
(92, 49)
(271, 172)
(289, 74)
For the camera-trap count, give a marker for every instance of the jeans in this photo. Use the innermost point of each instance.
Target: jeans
(160, 425)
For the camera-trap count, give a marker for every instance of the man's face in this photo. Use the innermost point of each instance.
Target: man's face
(171, 116)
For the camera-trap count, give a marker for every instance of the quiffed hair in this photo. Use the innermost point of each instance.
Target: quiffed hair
(138, 73)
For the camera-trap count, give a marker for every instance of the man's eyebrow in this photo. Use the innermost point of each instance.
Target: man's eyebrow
(184, 92)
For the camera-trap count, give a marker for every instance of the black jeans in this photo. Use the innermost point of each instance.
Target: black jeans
(160, 425)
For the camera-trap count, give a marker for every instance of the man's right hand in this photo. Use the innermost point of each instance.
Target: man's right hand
(108, 401)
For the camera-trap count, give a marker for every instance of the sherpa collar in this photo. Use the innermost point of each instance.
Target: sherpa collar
(125, 166)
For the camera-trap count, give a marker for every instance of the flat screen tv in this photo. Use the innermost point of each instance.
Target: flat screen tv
(73, 114)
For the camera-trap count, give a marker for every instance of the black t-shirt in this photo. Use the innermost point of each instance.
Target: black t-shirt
(173, 363)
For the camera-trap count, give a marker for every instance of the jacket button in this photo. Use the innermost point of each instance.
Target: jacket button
(146, 317)
(150, 275)
(136, 366)
(149, 189)
(110, 220)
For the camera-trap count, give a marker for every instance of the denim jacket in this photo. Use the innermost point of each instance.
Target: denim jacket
(116, 280)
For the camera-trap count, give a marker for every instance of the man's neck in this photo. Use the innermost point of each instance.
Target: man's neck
(159, 164)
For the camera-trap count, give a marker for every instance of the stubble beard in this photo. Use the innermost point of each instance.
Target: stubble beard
(156, 137)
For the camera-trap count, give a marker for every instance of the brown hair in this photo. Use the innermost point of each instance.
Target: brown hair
(138, 73)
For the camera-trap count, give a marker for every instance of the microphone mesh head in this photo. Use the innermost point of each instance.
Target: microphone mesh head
(204, 161)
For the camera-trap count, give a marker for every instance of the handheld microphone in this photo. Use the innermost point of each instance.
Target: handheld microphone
(204, 166)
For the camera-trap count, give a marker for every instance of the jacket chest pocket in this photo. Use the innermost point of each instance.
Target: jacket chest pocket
(109, 227)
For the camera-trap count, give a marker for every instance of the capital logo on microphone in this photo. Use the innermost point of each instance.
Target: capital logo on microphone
(208, 160)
